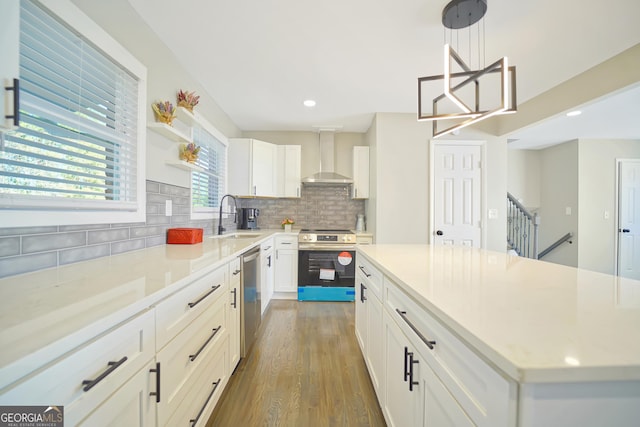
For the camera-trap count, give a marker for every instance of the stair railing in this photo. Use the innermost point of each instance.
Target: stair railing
(522, 228)
(566, 238)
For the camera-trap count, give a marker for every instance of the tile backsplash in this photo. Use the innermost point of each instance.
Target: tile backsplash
(325, 206)
(27, 249)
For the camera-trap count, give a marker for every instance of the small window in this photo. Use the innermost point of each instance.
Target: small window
(79, 143)
(208, 187)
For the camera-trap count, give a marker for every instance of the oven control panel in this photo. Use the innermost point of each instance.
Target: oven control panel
(326, 238)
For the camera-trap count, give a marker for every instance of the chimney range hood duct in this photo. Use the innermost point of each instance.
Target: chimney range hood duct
(326, 175)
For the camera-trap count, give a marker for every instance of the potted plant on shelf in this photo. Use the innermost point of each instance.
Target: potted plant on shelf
(165, 111)
(189, 152)
(188, 100)
(287, 223)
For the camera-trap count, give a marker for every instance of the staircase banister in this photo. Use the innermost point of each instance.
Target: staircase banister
(520, 206)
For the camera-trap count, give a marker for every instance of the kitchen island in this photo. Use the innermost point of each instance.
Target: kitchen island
(565, 341)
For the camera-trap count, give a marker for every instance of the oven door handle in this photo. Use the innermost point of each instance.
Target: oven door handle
(326, 248)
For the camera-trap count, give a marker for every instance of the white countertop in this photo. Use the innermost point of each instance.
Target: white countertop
(535, 321)
(44, 313)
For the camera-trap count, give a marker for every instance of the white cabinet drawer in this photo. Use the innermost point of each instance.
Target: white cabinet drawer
(286, 241)
(204, 392)
(82, 380)
(372, 275)
(480, 390)
(183, 360)
(131, 406)
(267, 245)
(177, 311)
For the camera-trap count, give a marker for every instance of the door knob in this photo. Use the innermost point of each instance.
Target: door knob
(625, 230)
(439, 233)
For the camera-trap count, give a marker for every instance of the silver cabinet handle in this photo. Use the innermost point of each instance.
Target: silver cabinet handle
(112, 366)
(364, 271)
(431, 344)
(194, 421)
(213, 289)
(157, 392)
(193, 357)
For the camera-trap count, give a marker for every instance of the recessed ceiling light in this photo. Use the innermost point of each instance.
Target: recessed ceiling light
(574, 113)
(309, 103)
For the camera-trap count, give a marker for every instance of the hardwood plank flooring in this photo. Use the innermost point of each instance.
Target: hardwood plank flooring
(305, 369)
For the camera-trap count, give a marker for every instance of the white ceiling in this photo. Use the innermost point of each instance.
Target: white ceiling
(260, 59)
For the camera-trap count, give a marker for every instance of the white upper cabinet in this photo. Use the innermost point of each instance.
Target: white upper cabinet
(288, 170)
(10, 54)
(360, 187)
(251, 167)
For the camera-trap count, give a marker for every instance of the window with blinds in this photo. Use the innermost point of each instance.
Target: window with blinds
(208, 187)
(76, 146)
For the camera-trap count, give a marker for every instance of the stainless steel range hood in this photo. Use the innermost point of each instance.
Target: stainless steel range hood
(326, 175)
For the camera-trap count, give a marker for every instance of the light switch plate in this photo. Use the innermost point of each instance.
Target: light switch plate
(168, 208)
(567, 210)
(493, 213)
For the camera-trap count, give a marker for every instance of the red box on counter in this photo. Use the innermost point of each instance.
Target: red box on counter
(184, 236)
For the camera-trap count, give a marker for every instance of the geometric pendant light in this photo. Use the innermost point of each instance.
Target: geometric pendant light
(462, 96)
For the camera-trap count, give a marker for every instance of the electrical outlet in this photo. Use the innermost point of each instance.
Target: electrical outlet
(168, 208)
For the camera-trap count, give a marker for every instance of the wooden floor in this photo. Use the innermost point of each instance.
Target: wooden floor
(305, 369)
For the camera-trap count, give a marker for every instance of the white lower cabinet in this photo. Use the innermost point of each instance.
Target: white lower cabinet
(440, 407)
(91, 375)
(165, 366)
(204, 390)
(415, 396)
(422, 374)
(183, 360)
(267, 273)
(402, 400)
(369, 321)
(133, 405)
(286, 263)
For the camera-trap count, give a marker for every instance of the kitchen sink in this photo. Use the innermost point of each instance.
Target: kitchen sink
(238, 236)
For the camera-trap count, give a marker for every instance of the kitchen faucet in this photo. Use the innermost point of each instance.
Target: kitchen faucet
(235, 218)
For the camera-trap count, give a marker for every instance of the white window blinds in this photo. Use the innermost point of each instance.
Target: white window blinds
(208, 187)
(77, 141)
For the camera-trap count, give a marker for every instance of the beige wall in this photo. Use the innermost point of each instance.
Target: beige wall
(523, 175)
(371, 137)
(399, 205)
(402, 182)
(597, 195)
(559, 191)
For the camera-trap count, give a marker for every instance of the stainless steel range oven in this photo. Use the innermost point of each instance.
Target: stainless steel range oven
(326, 265)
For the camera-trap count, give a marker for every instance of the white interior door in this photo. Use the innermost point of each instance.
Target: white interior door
(629, 219)
(457, 194)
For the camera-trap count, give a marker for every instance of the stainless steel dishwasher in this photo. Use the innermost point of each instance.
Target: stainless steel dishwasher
(250, 297)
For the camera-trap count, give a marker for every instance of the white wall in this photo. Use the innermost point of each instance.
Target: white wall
(523, 176)
(597, 195)
(559, 191)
